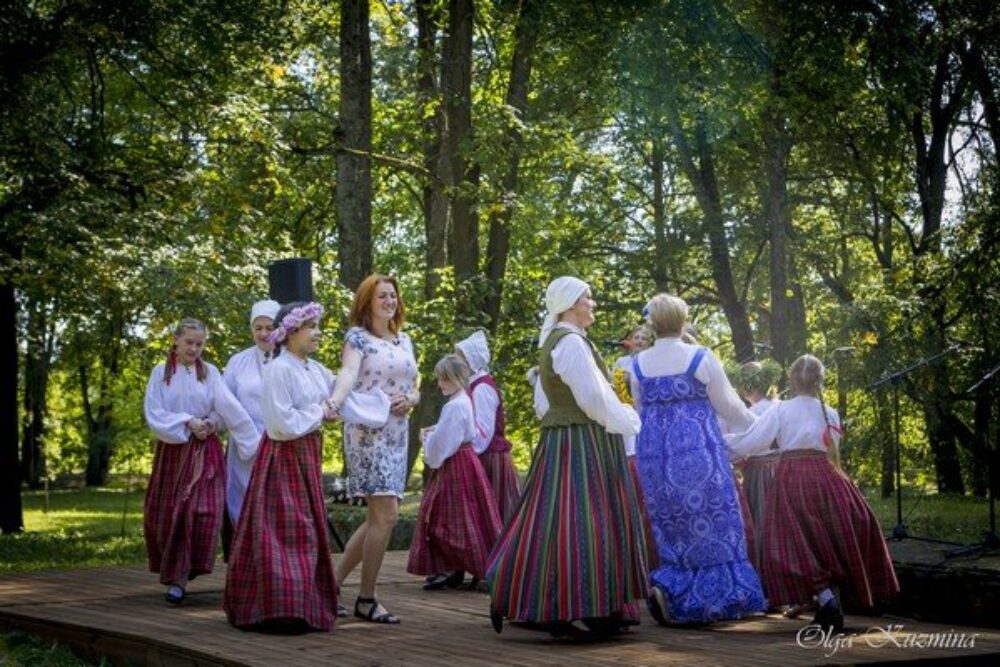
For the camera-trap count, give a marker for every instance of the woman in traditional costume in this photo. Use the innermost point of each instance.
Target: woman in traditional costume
(243, 376)
(821, 532)
(572, 559)
(490, 440)
(703, 574)
(281, 575)
(186, 401)
(458, 522)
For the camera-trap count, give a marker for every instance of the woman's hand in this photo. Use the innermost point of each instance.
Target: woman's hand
(401, 404)
(199, 428)
(331, 411)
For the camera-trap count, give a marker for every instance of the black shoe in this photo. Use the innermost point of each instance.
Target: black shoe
(456, 579)
(496, 620)
(174, 598)
(830, 617)
(438, 582)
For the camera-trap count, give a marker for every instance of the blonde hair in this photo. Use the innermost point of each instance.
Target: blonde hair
(758, 377)
(201, 372)
(453, 368)
(806, 376)
(667, 315)
(806, 379)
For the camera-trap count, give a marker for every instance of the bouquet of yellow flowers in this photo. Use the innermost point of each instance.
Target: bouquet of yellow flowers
(621, 386)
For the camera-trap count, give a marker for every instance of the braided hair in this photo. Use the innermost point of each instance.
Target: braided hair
(806, 377)
(201, 371)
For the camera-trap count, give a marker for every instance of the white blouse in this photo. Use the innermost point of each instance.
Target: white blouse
(672, 356)
(456, 427)
(573, 362)
(169, 407)
(762, 406)
(794, 424)
(243, 376)
(485, 401)
(293, 395)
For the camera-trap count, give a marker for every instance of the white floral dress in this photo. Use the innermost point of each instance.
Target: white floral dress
(376, 457)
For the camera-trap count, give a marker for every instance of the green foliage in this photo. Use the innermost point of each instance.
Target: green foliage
(18, 649)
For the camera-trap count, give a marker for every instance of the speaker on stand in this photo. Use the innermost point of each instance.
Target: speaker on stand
(290, 280)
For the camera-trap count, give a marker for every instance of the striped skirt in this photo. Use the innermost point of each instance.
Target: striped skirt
(652, 558)
(280, 565)
(822, 533)
(758, 474)
(183, 508)
(500, 471)
(575, 548)
(458, 522)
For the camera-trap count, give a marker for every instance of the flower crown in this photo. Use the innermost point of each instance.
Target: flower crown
(293, 321)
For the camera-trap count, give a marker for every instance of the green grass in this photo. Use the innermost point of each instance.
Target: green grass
(961, 519)
(82, 528)
(22, 650)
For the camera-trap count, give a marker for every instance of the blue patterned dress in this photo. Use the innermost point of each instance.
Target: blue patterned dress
(692, 502)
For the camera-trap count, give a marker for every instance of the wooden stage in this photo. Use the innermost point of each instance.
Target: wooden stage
(120, 613)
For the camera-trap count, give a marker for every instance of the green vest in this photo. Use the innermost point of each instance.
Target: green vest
(563, 410)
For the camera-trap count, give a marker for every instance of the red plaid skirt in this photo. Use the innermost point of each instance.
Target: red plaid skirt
(183, 508)
(280, 565)
(500, 471)
(458, 521)
(821, 533)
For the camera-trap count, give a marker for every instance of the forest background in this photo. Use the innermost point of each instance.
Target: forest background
(809, 176)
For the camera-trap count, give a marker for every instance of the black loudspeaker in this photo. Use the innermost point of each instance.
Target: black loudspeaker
(290, 280)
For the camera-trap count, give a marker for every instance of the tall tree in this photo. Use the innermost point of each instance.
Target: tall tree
(354, 171)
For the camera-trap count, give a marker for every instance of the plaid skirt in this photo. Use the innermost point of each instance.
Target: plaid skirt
(182, 512)
(758, 475)
(280, 565)
(500, 471)
(822, 533)
(458, 522)
(749, 532)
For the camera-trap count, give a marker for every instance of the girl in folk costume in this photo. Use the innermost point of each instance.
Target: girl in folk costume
(280, 572)
(458, 521)
(821, 533)
(756, 381)
(242, 376)
(572, 558)
(185, 399)
(703, 573)
(490, 441)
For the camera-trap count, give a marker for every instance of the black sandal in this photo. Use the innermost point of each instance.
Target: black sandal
(385, 617)
(437, 582)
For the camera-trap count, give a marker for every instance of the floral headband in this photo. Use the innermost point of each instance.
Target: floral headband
(294, 320)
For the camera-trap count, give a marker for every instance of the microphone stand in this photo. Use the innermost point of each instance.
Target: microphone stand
(990, 542)
(894, 379)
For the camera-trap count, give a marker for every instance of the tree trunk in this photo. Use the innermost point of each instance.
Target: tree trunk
(657, 159)
(100, 421)
(883, 413)
(498, 245)
(36, 379)
(11, 512)
(932, 177)
(354, 176)
(434, 202)
(460, 183)
(777, 147)
(700, 172)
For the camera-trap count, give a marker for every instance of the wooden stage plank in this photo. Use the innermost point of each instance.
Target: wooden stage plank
(119, 612)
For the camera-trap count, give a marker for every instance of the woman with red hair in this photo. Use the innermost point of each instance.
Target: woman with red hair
(377, 355)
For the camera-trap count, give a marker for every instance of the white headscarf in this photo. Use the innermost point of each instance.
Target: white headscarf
(476, 351)
(265, 308)
(560, 296)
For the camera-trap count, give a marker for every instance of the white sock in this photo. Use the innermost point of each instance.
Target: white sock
(825, 597)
